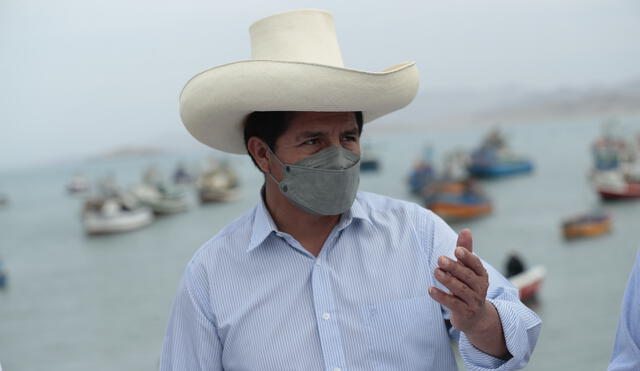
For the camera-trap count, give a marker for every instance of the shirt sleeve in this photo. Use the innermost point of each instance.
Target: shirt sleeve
(520, 325)
(626, 349)
(191, 341)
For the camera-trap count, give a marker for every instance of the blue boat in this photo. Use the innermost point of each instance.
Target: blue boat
(494, 159)
(490, 164)
(423, 173)
(421, 176)
(3, 276)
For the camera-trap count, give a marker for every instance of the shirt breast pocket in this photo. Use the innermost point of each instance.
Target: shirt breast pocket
(405, 334)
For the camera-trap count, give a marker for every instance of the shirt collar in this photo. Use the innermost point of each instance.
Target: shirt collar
(356, 211)
(263, 224)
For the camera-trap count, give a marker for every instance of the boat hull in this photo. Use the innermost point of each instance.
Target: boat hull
(457, 212)
(369, 165)
(629, 192)
(96, 224)
(499, 170)
(529, 283)
(586, 229)
(212, 195)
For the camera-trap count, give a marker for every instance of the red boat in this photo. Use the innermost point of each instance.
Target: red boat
(630, 190)
(615, 185)
(529, 282)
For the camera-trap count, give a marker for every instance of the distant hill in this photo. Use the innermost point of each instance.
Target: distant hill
(459, 108)
(128, 151)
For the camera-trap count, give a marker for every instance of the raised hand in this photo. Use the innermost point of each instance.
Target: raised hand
(468, 281)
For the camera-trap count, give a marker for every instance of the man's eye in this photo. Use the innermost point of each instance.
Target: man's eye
(349, 138)
(311, 141)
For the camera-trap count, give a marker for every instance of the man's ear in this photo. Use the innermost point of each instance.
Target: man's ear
(258, 150)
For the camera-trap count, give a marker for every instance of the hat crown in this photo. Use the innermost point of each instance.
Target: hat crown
(307, 36)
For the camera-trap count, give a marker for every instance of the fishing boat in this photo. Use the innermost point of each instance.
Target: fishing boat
(181, 175)
(159, 196)
(4, 200)
(612, 149)
(369, 161)
(495, 159)
(452, 207)
(457, 201)
(78, 184)
(422, 174)
(369, 164)
(494, 164)
(615, 184)
(3, 276)
(114, 215)
(616, 174)
(218, 183)
(587, 225)
(162, 199)
(529, 282)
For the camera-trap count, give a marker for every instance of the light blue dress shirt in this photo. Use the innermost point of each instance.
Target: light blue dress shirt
(626, 349)
(252, 298)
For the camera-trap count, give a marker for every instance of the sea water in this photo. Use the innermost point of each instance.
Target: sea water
(75, 302)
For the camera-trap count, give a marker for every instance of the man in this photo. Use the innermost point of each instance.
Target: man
(626, 349)
(318, 276)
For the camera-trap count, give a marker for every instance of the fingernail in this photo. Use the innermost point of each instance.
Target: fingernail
(440, 274)
(431, 290)
(462, 252)
(444, 261)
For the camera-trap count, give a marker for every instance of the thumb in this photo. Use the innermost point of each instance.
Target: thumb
(465, 240)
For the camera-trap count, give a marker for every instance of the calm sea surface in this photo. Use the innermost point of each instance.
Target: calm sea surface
(80, 303)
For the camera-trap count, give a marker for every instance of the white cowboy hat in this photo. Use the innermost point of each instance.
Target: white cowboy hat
(296, 65)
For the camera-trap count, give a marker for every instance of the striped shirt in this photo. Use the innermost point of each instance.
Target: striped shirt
(626, 349)
(252, 298)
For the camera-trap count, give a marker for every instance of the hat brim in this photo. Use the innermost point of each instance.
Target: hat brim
(215, 103)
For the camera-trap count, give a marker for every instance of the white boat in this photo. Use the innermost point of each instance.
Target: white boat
(114, 215)
(162, 200)
(529, 282)
(615, 184)
(78, 184)
(218, 184)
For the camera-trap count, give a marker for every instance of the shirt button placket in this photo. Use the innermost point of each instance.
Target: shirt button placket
(323, 299)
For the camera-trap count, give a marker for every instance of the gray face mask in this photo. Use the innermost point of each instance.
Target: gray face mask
(323, 184)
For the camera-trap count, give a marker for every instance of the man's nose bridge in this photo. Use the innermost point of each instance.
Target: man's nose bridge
(334, 140)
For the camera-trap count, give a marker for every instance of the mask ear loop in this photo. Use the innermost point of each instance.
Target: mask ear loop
(285, 169)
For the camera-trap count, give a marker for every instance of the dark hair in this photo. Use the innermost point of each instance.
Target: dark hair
(270, 125)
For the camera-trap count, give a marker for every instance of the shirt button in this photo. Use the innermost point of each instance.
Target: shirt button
(326, 316)
(317, 262)
(337, 369)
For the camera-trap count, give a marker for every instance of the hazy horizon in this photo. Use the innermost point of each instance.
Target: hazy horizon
(82, 78)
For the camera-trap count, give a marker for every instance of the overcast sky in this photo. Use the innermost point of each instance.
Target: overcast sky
(83, 76)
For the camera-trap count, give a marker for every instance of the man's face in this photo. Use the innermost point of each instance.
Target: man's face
(311, 132)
